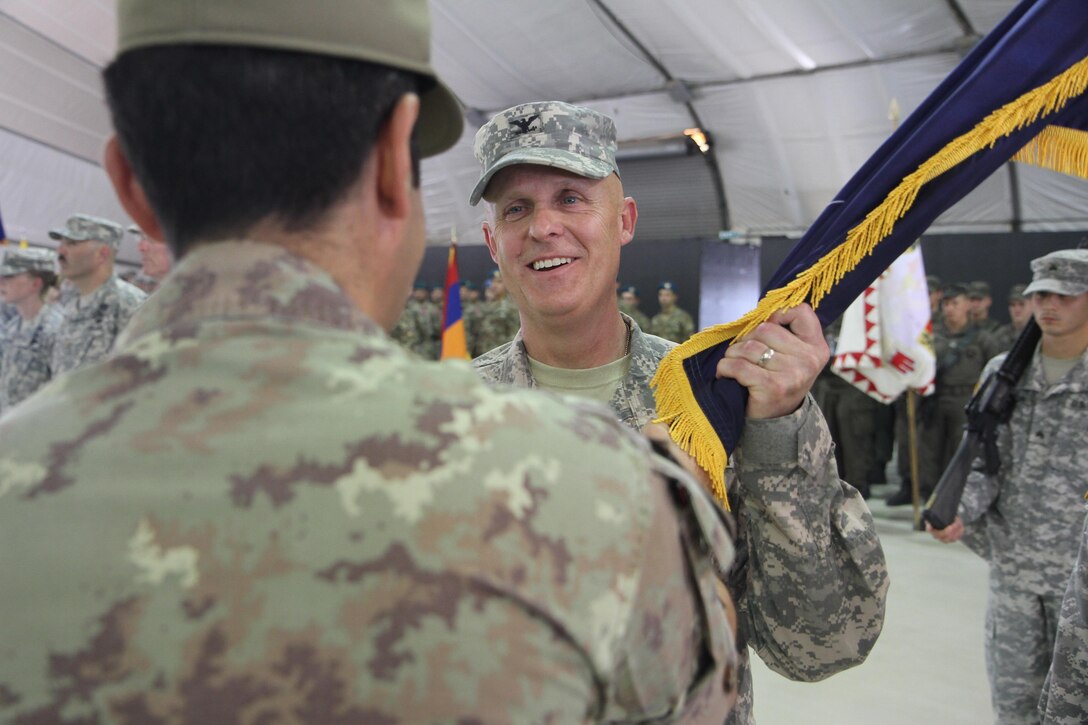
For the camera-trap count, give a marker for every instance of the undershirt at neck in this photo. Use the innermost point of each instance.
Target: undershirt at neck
(598, 383)
(1054, 369)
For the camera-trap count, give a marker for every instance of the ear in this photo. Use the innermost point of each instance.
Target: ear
(393, 159)
(129, 190)
(628, 219)
(492, 244)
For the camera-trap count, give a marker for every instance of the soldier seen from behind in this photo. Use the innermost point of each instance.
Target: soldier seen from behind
(261, 509)
(1026, 520)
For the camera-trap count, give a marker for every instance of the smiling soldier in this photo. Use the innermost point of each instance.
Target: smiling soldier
(557, 220)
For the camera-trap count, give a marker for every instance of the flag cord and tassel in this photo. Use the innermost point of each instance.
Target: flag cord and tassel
(676, 403)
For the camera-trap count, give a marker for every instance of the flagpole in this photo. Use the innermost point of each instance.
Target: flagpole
(912, 433)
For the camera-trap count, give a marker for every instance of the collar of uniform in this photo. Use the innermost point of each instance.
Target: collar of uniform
(82, 303)
(246, 279)
(1035, 379)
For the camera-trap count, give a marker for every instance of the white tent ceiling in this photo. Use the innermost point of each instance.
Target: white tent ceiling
(795, 95)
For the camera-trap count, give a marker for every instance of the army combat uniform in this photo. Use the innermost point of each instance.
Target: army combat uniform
(1026, 521)
(635, 314)
(675, 325)
(500, 323)
(26, 355)
(91, 324)
(802, 530)
(1065, 694)
(260, 508)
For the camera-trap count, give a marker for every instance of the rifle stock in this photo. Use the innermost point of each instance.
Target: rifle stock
(941, 508)
(990, 406)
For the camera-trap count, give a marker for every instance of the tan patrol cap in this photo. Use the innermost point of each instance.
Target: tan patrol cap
(395, 33)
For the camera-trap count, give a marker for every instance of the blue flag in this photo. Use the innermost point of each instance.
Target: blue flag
(1019, 93)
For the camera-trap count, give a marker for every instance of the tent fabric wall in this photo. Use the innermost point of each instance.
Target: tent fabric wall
(795, 95)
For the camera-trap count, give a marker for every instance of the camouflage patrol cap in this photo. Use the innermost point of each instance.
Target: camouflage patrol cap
(546, 133)
(395, 33)
(1064, 272)
(978, 289)
(1016, 292)
(954, 289)
(83, 227)
(18, 261)
(933, 282)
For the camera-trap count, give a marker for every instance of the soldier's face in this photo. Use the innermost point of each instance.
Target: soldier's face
(629, 299)
(79, 259)
(556, 238)
(156, 257)
(1060, 315)
(1019, 312)
(18, 288)
(666, 298)
(955, 310)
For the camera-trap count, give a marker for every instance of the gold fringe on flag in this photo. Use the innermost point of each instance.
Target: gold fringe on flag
(676, 404)
(1058, 148)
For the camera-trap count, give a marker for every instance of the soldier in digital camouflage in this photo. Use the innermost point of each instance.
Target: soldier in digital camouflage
(259, 508)
(811, 580)
(103, 303)
(1065, 692)
(1026, 520)
(472, 312)
(26, 340)
(628, 303)
(672, 322)
(500, 320)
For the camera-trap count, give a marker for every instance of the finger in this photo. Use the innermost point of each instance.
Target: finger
(802, 320)
(752, 351)
(780, 338)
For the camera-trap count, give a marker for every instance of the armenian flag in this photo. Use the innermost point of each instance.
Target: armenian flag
(453, 326)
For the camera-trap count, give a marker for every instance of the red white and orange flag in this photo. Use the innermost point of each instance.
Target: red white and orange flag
(886, 341)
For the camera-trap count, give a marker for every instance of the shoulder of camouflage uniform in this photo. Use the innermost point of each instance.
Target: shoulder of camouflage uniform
(591, 446)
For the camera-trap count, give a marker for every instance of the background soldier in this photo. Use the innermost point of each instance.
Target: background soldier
(978, 296)
(936, 292)
(628, 301)
(1002, 338)
(1027, 519)
(501, 320)
(26, 340)
(422, 321)
(961, 352)
(472, 313)
(96, 315)
(156, 257)
(672, 323)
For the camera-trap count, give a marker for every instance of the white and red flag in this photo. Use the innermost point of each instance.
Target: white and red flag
(886, 341)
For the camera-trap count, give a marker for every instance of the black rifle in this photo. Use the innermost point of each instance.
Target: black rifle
(990, 406)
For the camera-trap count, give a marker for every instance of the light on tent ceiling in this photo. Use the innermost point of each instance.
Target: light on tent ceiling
(699, 138)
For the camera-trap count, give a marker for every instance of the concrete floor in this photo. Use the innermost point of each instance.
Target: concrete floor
(927, 665)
